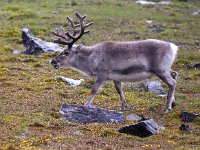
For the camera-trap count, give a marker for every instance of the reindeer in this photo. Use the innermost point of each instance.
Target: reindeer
(128, 61)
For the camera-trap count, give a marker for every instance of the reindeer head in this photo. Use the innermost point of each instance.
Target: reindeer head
(68, 39)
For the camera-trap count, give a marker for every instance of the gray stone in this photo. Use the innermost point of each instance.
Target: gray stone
(69, 81)
(24, 135)
(152, 87)
(84, 115)
(195, 66)
(2, 123)
(186, 47)
(185, 127)
(133, 117)
(147, 2)
(72, 3)
(188, 117)
(189, 0)
(196, 12)
(143, 128)
(36, 46)
(16, 52)
(197, 44)
(157, 28)
(76, 132)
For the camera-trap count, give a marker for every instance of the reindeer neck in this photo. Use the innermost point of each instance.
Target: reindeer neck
(81, 61)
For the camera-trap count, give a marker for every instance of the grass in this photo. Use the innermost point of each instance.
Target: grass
(30, 98)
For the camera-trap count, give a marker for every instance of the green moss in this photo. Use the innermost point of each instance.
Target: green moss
(7, 32)
(196, 102)
(47, 55)
(38, 65)
(194, 76)
(50, 80)
(5, 48)
(169, 33)
(28, 60)
(11, 118)
(12, 59)
(41, 32)
(13, 8)
(55, 115)
(189, 88)
(36, 124)
(4, 71)
(107, 132)
(18, 12)
(181, 63)
(89, 84)
(23, 15)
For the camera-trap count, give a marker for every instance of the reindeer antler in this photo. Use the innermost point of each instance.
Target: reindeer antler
(66, 38)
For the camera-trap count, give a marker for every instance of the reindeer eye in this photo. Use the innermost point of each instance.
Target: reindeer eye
(66, 53)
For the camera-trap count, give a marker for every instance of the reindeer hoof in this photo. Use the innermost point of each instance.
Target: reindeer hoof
(125, 107)
(167, 110)
(173, 105)
(87, 105)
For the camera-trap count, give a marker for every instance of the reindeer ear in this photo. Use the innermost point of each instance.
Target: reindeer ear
(78, 48)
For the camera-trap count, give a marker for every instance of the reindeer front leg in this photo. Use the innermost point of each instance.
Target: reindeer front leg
(98, 84)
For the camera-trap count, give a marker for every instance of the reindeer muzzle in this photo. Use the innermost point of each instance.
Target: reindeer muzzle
(55, 64)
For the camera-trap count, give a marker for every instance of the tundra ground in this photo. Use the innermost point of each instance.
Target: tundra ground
(30, 98)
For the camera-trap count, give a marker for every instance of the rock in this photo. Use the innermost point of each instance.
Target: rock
(149, 21)
(154, 87)
(196, 12)
(188, 117)
(157, 28)
(76, 132)
(15, 52)
(143, 128)
(133, 117)
(151, 86)
(145, 2)
(186, 47)
(24, 135)
(189, 0)
(195, 66)
(71, 82)
(72, 3)
(84, 115)
(35, 46)
(185, 127)
(2, 123)
(197, 43)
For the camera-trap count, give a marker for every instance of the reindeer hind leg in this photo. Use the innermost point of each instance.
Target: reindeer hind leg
(119, 89)
(169, 77)
(174, 74)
